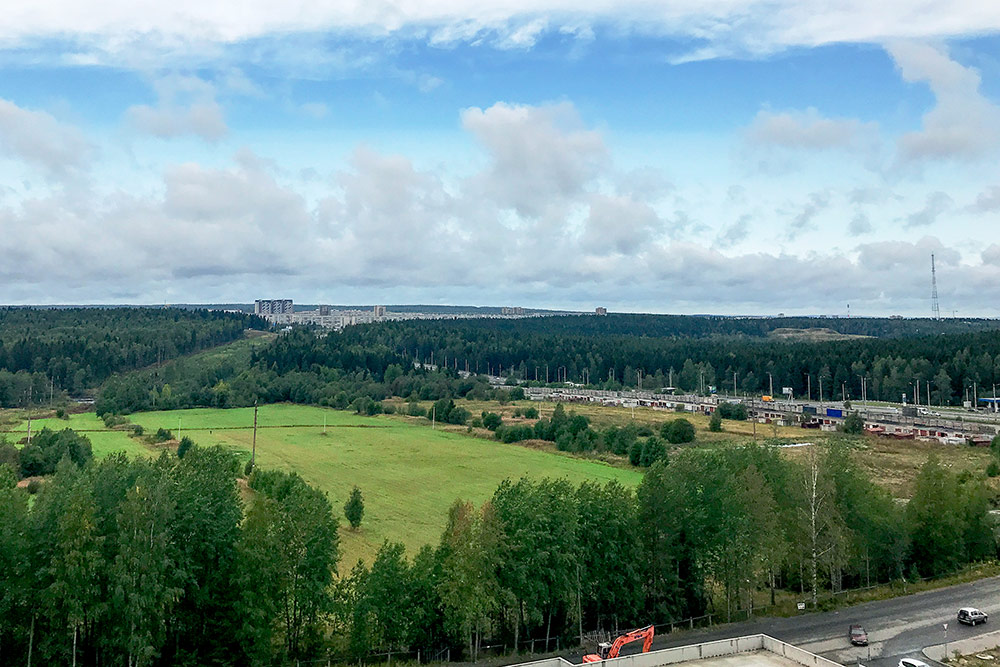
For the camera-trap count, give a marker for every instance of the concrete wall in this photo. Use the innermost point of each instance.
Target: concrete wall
(796, 654)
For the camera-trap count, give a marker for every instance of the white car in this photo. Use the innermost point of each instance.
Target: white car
(912, 662)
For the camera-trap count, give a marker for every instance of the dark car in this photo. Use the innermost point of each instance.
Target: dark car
(971, 616)
(858, 636)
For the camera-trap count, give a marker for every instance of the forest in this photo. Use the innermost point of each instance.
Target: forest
(163, 562)
(377, 361)
(70, 350)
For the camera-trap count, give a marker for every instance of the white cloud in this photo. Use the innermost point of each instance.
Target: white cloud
(722, 27)
(37, 138)
(963, 124)
(186, 105)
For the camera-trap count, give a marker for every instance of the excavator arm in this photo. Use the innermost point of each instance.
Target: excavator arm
(611, 651)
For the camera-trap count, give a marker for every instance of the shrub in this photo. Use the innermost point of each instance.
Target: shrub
(49, 447)
(715, 422)
(388, 409)
(414, 410)
(677, 431)
(516, 394)
(653, 450)
(853, 424)
(492, 421)
(530, 412)
(644, 431)
(137, 430)
(185, 444)
(354, 508)
(458, 415)
(163, 434)
(477, 422)
(61, 413)
(34, 486)
(635, 453)
(993, 469)
(248, 469)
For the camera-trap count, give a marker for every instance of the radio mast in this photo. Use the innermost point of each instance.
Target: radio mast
(935, 306)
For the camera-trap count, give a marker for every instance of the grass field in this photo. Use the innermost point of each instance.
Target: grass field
(103, 440)
(408, 473)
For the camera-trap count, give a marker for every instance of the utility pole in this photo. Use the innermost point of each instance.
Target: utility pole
(29, 414)
(253, 450)
(809, 391)
(734, 384)
(770, 385)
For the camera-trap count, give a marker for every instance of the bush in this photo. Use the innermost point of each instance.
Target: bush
(715, 422)
(414, 410)
(677, 431)
(635, 453)
(137, 430)
(49, 447)
(492, 421)
(354, 508)
(388, 409)
(111, 420)
(458, 415)
(530, 412)
(516, 394)
(163, 434)
(993, 469)
(514, 433)
(185, 444)
(853, 424)
(61, 413)
(644, 431)
(248, 469)
(477, 422)
(34, 486)
(653, 450)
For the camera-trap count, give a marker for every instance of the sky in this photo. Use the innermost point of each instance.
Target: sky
(680, 156)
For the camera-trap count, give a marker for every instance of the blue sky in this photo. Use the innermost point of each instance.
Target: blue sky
(726, 156)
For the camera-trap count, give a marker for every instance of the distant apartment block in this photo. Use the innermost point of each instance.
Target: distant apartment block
(600, 310)
(378, 311)
(512, 311)
(273, 307)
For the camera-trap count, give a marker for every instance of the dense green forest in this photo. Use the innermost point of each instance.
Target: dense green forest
(74, 349)
(377, 361)
(142, 562)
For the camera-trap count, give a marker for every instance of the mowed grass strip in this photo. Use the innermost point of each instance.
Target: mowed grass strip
(408, 473)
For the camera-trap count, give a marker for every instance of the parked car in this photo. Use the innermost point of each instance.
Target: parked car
(857, 635)
(912, 662)
(971, 616)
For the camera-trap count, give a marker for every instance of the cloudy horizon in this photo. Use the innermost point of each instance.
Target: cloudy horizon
(728, 157)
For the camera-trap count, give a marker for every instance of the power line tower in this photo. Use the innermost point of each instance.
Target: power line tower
(935, 306)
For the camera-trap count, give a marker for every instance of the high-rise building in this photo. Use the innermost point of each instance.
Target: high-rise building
(601, 310)
(378, 311)
(273, 307)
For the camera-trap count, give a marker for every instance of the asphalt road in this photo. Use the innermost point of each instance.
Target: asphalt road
(898, 627)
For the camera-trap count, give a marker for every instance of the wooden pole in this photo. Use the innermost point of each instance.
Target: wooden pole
(253, 451)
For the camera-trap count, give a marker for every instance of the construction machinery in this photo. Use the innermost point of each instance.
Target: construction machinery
(610, 650)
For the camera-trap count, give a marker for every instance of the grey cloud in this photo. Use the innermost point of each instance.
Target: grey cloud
(37, 138)
(619, 224)
(803, 220)
(987, 201)
(538, 154)
(991, 255)
(733, 234)
(809, 130)
(859, 225)
(937, 203)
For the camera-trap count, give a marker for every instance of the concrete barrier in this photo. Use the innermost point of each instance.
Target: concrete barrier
(706, 650)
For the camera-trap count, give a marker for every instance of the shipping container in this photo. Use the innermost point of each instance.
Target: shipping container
(834, 412)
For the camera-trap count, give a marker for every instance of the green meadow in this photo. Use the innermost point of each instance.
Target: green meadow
(408, 473)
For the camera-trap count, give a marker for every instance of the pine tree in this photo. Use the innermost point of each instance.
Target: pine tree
(354, 508)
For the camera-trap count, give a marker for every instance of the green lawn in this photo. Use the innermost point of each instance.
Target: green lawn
(408, 473)
(104, 441)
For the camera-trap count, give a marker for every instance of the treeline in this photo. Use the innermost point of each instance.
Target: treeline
(72, 349)
(377, 361)
(701, 534)
(143, 562)
(158, 562)
(543, 348)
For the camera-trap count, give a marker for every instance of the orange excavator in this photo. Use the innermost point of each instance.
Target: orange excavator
(609, 651)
